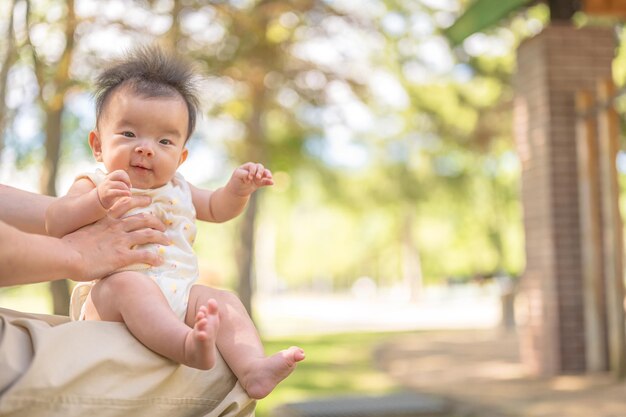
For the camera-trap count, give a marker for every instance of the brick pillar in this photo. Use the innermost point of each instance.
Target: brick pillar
(552, 66)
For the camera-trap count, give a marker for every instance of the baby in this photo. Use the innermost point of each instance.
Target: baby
(146, 108)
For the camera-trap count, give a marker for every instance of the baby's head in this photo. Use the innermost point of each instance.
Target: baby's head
(146, 108)
(149, 72)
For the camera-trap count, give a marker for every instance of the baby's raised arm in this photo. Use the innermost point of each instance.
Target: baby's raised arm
(85, 203)
(229, 201)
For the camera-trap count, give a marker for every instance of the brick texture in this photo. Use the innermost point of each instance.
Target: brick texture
(552, 66)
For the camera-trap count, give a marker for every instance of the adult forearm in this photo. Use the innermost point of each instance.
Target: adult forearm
(27, 258)
(70, 213)
(89, 253)
(24, 210)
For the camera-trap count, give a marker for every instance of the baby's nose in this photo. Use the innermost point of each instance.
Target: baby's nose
(145, 148)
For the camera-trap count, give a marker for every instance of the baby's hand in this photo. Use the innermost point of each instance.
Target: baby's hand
(249, 177)
(115, 186)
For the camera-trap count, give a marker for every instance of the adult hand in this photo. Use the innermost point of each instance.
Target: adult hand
(108, 244)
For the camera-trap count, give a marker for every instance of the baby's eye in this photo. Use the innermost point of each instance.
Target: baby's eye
(165, 142)
(128, 134)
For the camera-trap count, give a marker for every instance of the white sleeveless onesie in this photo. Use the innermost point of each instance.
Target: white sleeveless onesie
(173, 205)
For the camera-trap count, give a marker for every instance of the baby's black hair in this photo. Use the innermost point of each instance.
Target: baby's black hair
(150, 72)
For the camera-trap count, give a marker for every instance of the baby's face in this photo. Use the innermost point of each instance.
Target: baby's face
(143, 136)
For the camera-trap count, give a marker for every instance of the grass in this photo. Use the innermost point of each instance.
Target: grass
(33, 298)
(334, 365)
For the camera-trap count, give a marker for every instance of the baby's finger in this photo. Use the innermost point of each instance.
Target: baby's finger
(260, 170)
(251, 171)
(118, 192)
(120, 175)
(250, 168)
(267, 173)
(263, 182)
(241, 174)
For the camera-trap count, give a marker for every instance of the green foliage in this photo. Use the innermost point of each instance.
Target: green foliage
(366, 117)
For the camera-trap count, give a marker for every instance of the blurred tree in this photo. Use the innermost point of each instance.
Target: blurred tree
(257, 48)
(394, 148)
(460, 120)
(49, 35)
(9, 58)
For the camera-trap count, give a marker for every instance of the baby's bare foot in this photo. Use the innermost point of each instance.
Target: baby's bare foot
(200, 341)
(266, 373)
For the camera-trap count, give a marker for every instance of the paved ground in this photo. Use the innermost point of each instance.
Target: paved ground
(480, 373)
(463, 307)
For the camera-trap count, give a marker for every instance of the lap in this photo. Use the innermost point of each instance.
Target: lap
(52, 367)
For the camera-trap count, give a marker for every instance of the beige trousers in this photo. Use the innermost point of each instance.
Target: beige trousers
(52, 367)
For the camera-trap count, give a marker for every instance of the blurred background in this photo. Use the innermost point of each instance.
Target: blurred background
(397, 199)
(392, 153)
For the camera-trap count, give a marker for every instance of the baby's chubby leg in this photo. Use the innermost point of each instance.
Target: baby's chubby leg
(136, 300)
(240, 344)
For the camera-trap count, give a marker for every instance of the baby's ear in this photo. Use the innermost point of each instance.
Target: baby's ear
(96, 145)
(183, 156)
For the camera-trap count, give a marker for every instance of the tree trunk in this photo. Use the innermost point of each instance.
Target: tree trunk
(59, 83)
(562, 10)
(411, 262)
(496, 222)
(9, 59)
(59, 289)
(245, 255)
(173, 34)
(53, 151)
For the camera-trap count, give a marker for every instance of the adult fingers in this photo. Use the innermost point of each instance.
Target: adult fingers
(142, 221)
(125, 204)
(143, 236)
(144, 257)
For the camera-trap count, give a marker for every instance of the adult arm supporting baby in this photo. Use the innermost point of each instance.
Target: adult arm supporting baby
(52, 367)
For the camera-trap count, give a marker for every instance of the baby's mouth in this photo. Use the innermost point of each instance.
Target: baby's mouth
(140, 168)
